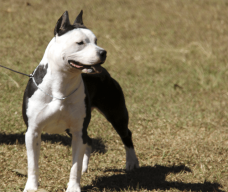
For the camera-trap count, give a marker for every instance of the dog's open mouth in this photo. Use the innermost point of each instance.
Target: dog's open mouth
(86, 68)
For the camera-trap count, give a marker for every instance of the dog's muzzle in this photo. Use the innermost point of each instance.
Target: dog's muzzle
(91, 69)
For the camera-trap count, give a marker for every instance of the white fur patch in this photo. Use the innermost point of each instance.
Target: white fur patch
(86, 159)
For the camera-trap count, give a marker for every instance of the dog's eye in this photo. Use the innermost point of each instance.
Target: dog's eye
(96, 41)
(80, 43)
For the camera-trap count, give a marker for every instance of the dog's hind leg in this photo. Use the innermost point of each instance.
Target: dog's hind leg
(111, 104)
(33, 141)
(120, 124)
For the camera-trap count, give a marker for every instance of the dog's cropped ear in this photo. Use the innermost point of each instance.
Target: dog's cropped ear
(63, 24)
(78, 19)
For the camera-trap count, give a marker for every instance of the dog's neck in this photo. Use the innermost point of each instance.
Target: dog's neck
(62, 82)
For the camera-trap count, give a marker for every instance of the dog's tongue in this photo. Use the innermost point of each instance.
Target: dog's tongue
(97, 68)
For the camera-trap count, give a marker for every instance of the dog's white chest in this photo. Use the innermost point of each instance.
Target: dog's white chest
(55, 116)
(66, 117)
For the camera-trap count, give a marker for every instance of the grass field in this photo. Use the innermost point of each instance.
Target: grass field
(171, 59)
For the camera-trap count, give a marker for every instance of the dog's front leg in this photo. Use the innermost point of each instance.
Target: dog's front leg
(78, 149)
(33, 141)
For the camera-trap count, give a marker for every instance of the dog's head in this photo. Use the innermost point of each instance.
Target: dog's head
(76, 46)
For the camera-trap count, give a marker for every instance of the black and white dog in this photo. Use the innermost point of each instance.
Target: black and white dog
(67, 84)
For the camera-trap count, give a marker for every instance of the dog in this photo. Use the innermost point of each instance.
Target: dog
(68, 83)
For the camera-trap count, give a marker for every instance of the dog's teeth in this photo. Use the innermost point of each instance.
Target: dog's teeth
(87, 71)
(84, 70)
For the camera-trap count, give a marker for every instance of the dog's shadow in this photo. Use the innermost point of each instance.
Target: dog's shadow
(148, 178)
(19, 138)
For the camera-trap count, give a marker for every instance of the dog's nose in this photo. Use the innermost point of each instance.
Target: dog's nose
(102, 54)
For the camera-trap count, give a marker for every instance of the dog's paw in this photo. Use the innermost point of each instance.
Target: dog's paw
(131, 159)
(130, 165)
(39, 190)
(30, 189)
(73, 190)
(73, 187)
(31, 184)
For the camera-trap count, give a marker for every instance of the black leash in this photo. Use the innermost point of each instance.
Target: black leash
(17, 71)
(32, 76)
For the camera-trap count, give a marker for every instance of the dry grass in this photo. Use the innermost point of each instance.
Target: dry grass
(171, 59)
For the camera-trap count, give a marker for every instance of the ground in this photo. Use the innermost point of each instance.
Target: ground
(171, 60)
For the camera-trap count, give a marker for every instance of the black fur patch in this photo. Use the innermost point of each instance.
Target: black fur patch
(107, 96)
(63, 24)
(31, 88)
(68, 28)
